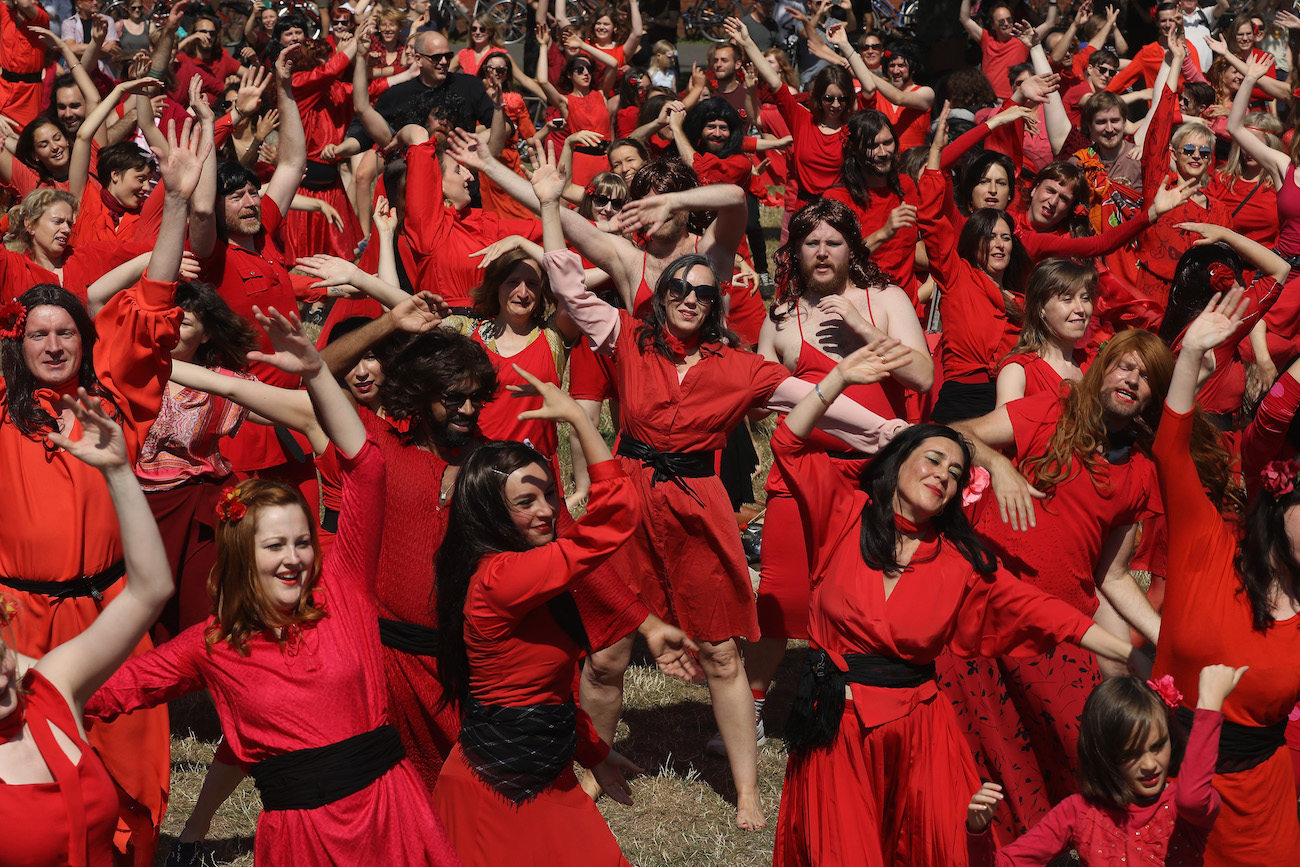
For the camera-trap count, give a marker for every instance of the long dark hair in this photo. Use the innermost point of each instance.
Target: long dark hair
(975, 171)
(703, 113)
(831, 75)
(1264, 555)
(25, 145)
(1191, 289)
(230, 337)
(20, 383)
(879, 536)
(479, 521)
(973, 244)
(1117, 722)
(651, 334)
(864, 273)
(864, 127)
(422, 370)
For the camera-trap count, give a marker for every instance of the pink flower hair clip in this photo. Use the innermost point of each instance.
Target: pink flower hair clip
(1164, 687)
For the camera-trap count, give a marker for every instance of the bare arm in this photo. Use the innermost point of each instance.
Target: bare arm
(1117, 585)
(181, 168)
(288, 407)
(79, 163)
(963, 15)
(293, 141)
(1275, 162)
(739, 34)
(633, 41)
(1015, 495)
(1058, 122)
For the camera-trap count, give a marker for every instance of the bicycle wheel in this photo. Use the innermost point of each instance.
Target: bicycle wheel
(512, 18)
(580, 12)
(710, 17)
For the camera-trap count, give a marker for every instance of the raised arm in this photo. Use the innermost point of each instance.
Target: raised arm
(293, 141)
(289, 407)
(1049, 21)
(1058, 122)
(332, 271)
(1260, 258)
(963, 15)
(1219, 321)
(633, 41)
(870, 364)
(79, 162)
(180, 167)
(82, 664)
(739, 34)
(1275, 162)
(417, 314)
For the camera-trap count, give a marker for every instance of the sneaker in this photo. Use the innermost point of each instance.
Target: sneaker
(715, 746)
(766, 287)
(191, 855)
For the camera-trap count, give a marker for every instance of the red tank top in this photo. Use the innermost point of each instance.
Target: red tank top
(499, 420)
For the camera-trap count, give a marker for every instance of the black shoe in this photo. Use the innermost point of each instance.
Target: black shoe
(766, 288)
(191, 855)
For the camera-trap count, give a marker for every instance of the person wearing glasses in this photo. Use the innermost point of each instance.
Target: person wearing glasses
(892, 90)
(484, 41)
(872, 52)
(1102, 66)
(209, 59)
(1001, 49)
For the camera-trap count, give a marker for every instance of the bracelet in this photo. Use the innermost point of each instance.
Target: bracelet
(156, 74)
(818, 389)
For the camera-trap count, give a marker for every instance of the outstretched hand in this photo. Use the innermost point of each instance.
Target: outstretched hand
(1218, 321)
(420, 313)
(610, 775)
(466, 149)
(646, 214)
(1168, 198)
(182, 164)
(294, 351)
(549, 178)
(556, 404)
(328, 270)
(674, 652)
(101, 444)
(875, 361)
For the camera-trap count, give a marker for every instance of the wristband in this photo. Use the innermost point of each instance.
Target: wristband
(818, 389)
(156, 74)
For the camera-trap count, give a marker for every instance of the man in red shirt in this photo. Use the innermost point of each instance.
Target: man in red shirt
(1001, 49)
(1102, 67)
(235, 233)
(891, 90)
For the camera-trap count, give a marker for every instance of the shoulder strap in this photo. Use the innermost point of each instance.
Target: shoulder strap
(1243, 202)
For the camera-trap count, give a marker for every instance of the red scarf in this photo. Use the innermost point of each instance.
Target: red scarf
(113, 206)
(681, 348)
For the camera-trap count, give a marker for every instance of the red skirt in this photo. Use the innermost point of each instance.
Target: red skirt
(308, 233)
(187, 520)
(560, 827)
(414, 694)
(785, 583)
(895, 794)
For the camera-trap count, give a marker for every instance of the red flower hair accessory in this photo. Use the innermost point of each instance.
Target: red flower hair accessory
(1164, 687)
(1279, 477)
(230, 508)
(12, 318)
(1222, 278)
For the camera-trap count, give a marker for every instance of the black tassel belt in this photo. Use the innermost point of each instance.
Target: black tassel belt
(408, 637)
(673, 467)
(86, 585)
(518, 751)
(311, 778)
(819, 697)
(1241, 747)
(329, 521)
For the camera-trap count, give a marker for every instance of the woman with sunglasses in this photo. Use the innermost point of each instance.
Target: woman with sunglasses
(484, 41)
(580, 101)
(684, 387)
(498, 74)
(133, 34)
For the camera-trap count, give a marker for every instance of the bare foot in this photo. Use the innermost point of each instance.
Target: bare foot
(575, 501)
(749, 813)
(591, 787)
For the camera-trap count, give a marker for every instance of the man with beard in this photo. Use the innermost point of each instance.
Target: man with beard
(724, 63)
(871, 187)
(1084, 456)
(834, 300)
(202, 54)
(891, 90)
(235, 231)
(434, 388)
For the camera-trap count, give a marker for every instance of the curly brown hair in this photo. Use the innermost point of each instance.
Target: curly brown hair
(790, 281)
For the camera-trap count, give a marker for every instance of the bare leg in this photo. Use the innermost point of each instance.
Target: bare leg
(600, 690)
(365, 169)
(762, 659)
(581, 479)
(733, 708)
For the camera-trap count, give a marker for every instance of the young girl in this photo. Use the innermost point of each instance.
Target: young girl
(1129, 742)
(663, 64)
(1051, 349)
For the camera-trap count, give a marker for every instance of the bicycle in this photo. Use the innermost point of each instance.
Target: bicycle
(513, 18)
(707, 19)
(897, 18)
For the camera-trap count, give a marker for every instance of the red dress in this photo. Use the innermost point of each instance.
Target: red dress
(270, 702)
(1161, 246)
(60, 525)
(897, 256)
(58, 828)
(1206, 620)
(518, 656)
(590, 112)
(1253, 206)
(816, 155)
(1021, 716)
(441, 238)
(893, 786)
(1170, 831)
(24, 54)
(1040, 376)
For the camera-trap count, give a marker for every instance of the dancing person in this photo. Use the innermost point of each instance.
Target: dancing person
(1129, 744)
(1051, 348)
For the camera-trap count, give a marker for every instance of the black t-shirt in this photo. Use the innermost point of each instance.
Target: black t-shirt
(394, 101)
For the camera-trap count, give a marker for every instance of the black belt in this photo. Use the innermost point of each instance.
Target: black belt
(848, 456)
(311, 778)
(518, 751)
(86, 585)
(673, 467)
(22, 77)
(819, 697)
(330, 520)
(1241, 747)
(806, 196)
(408, 637)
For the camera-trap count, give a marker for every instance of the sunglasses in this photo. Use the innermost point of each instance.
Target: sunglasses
(454, 400)
(678, 289)
(871, 46)
(212, 32)
(1193, 150)
(135, 9)
(1107, 71)
(602, 201)
(835, 100)
(495, 70)
(341, 22)
(582, 67)
(477, 28)
(435, 59)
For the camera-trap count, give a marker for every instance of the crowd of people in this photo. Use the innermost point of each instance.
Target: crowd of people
(298, 318)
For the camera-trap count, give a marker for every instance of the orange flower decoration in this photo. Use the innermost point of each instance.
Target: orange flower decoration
(230, 508)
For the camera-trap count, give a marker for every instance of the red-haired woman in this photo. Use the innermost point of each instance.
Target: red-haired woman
(291, 636)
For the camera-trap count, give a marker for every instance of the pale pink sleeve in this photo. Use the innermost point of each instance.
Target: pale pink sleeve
(859, 428)
(596, 319)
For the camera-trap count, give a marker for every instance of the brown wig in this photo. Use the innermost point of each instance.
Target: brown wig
(603, 184)
(973, 246)
(487, 295)
(968, 88)
(239, 603)
(1076, 220)
(1118, 720)
(229, 336)
(790, 281)
(424, 369)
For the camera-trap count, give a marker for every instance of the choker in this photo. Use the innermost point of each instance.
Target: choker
(903, 525)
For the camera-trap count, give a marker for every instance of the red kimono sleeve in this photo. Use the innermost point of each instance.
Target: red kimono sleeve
(222, 130)
(1155, 162)
(1042, 245)
(137, 329)
(321, 77)
(424, 227)
(169, 671)
(824, 496)
(936, 230)
(1196, 800)
(1004, 616)
(962, 145)
(1040, 845)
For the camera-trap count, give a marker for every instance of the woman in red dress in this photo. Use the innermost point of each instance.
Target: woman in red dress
(580, 101)
(57, 788)
(41, 157)
(336, 787)
(876, 776)
(1246, 186)
(484, 41)
(1233, 597)
(1051, 348)
(509, 645)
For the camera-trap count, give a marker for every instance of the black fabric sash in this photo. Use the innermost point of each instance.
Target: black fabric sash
(518, 751)
(408, 637)
(311, 778)
(86, 585)
(673, 467)
(22, 77)
(330, 520)
(1241, 747)
(819, 697)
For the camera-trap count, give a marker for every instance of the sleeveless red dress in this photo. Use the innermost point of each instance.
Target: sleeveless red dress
(71, 820)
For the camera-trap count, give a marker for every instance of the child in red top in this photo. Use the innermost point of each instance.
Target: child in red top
(1128, 810)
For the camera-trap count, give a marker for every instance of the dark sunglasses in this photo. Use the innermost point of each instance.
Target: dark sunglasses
(678, 289)
(835, 100)
(600, 200)
(477, 28)
(582, 67)
(435, 59)
(341, 22)
(1107, 71)
(454, 400)
(1193, 150)
(495, 70)
(871, 46)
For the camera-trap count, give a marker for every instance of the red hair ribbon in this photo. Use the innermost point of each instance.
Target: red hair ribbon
(1222, 278)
